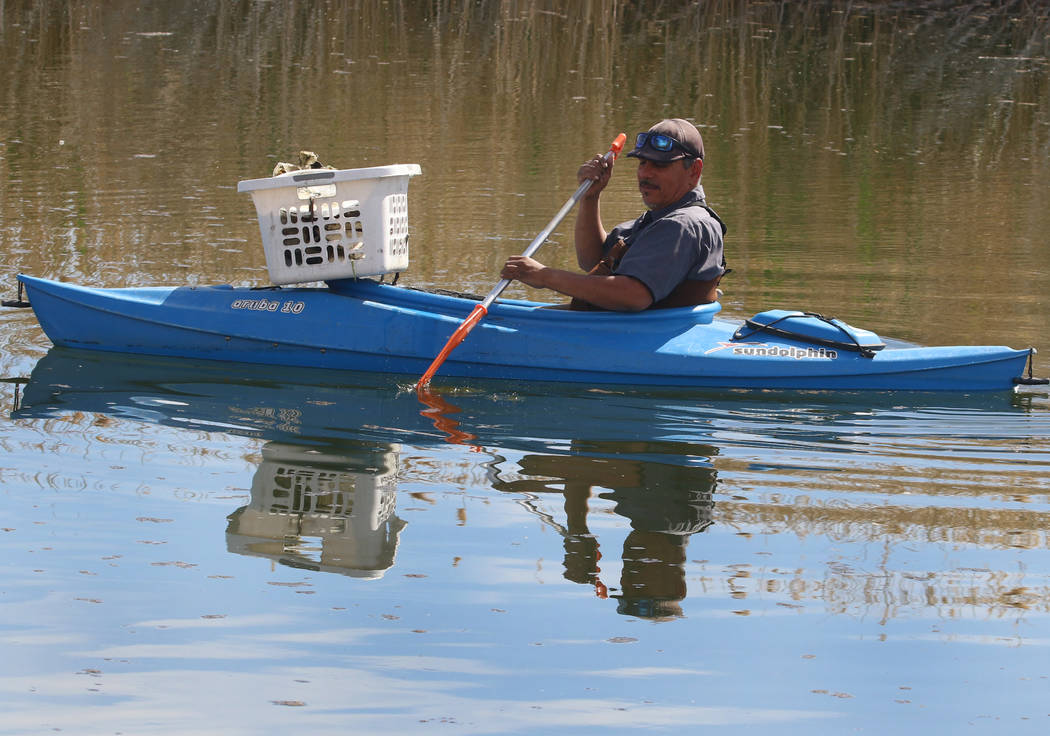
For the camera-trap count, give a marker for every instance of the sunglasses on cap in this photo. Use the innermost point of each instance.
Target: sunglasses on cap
(661, 142)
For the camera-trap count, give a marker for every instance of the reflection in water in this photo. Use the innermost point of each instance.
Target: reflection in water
(332, 509)
(439, 410)
(343, 496)
(665, 503)
(937, 488)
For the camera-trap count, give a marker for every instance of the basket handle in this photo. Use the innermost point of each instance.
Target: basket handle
(313, 176)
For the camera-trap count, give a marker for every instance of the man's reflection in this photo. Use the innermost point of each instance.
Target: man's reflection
(329, 509)
(666, 496)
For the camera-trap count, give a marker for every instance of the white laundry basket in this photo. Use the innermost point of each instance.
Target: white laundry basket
(325, 224)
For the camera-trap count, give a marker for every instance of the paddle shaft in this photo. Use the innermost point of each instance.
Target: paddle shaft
(544, 234)
(482, 308)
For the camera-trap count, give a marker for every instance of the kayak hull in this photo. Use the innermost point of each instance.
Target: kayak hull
(366, 326)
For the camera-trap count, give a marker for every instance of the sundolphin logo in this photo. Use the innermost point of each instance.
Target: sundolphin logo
(765, 350)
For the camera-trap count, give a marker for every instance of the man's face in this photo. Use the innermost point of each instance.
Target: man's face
(663, 183)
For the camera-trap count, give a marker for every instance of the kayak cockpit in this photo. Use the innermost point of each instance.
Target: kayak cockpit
(451, 303)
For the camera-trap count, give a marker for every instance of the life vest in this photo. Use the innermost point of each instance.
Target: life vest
(688, 293)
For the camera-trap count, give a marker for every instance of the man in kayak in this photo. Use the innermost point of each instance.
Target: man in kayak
(670, 256)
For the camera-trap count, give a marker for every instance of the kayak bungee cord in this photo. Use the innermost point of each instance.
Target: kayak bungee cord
(868, 351)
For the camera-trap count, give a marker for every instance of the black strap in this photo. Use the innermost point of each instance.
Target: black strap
(853, 343)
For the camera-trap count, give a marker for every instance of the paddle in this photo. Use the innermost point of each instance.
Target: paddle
(482, 309)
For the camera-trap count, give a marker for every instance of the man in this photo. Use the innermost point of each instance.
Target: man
(670, 256)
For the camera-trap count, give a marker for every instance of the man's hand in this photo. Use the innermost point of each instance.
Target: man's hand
(597, 170)
(524, 269)
(620, 293)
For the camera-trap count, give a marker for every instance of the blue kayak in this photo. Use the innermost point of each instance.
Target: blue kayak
(364, 325)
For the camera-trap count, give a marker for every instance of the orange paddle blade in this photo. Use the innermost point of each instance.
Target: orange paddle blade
(453, 342)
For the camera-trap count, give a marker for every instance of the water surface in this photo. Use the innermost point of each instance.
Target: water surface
(205, 548)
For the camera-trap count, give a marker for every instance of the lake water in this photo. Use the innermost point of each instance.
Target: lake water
(198, 548)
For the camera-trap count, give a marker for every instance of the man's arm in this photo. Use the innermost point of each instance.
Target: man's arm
(619, 293)
(589, 233)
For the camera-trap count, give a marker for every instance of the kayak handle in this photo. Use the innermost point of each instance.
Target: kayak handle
(1031, 380)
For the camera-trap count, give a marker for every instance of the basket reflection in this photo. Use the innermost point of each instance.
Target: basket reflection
(329, 510)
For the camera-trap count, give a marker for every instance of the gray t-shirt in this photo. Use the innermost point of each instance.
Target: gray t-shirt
(670, 245)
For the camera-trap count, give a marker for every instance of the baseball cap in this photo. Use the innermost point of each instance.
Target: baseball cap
(681, 132)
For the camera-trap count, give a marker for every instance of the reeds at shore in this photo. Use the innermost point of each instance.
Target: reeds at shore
(164, 99)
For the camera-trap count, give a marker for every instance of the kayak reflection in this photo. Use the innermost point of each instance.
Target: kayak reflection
(276, 403)
(637, 454)
(324, 508)
(665, 502)
(323, 496)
